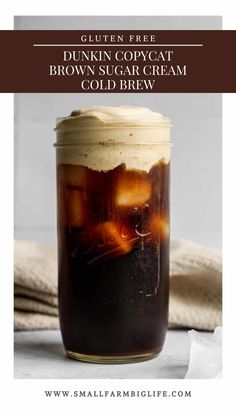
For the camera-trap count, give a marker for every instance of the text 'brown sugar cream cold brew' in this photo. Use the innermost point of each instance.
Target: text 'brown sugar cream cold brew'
(113, 232)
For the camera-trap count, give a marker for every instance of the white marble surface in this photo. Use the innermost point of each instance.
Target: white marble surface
(41, 355)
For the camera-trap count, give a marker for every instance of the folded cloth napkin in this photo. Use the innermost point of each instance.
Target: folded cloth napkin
(195, 286)
(35, 286)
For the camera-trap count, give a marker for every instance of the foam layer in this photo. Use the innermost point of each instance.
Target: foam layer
(101, 137)
(111, 115)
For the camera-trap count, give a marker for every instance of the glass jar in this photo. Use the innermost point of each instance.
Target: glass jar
(113, 233)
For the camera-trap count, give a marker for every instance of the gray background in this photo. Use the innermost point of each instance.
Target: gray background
(196, 134)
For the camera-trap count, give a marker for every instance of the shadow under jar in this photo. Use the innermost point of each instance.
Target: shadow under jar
(113, 233)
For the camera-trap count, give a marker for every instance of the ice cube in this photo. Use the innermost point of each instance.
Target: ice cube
(159, 227)
(73, 209)
(205, 355)
(109, 234)
(72, 175)
(109, 241)
(132, 189)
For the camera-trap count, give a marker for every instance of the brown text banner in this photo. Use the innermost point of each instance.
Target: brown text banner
(118, 61)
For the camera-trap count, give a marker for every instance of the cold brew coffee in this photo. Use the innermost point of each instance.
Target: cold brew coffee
(113, 233)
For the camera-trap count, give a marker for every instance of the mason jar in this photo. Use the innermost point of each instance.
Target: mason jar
(113, 232)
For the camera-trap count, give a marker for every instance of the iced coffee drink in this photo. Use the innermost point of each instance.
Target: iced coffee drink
(113, 232)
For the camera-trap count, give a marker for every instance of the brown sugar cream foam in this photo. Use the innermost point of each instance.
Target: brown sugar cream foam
(122, 131)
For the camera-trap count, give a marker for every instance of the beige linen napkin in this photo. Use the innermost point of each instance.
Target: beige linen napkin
(35, 286)
(195, 286)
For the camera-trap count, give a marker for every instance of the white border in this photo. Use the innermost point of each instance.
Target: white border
(24, 397)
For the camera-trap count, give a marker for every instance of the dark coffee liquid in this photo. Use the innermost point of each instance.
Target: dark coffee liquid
(113, 259)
